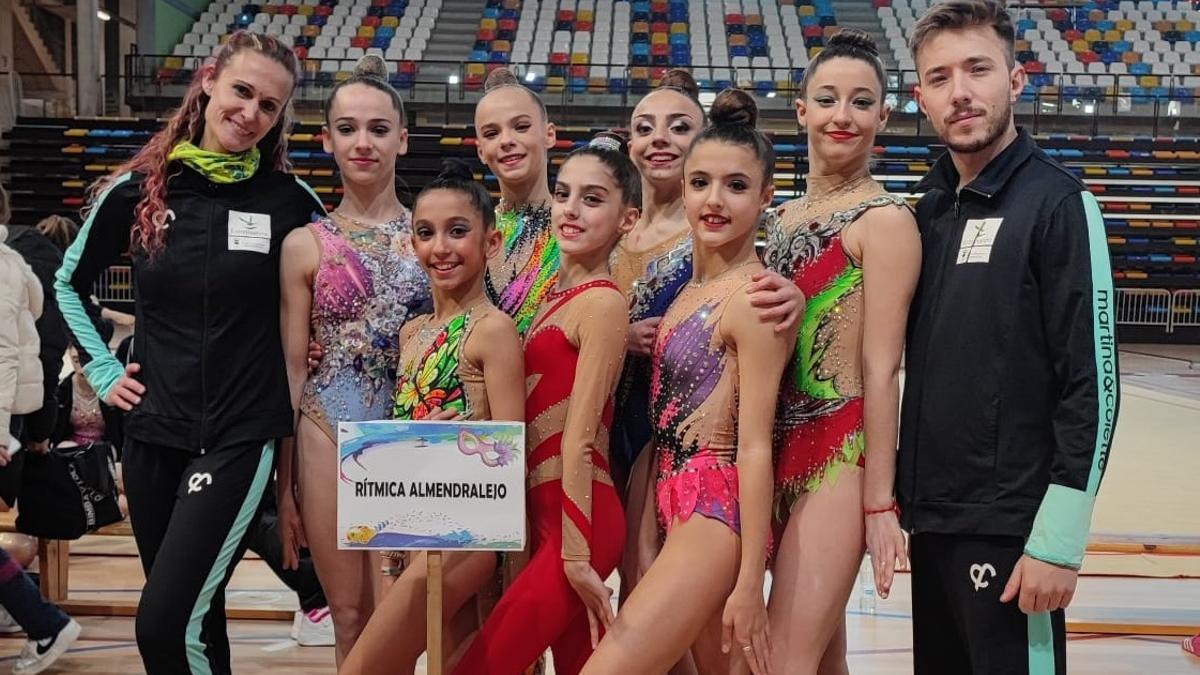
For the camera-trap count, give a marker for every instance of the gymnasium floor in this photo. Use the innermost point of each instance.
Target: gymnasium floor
(1150, 491)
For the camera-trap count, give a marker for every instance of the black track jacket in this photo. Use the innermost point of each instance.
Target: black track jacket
(207, 307)
(1012, 387)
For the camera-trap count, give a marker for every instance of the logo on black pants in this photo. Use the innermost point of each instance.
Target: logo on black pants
(197, 482)
(980, 575)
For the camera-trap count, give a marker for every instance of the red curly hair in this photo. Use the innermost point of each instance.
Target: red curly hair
(187, 122)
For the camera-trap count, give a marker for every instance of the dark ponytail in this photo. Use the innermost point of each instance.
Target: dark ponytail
(849, 43)
(733, 119)
(612, 150)
(456, 175)
(681, 82)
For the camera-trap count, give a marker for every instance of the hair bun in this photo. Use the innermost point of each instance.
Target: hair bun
(854, 39)
(500, 77)
(734, 107)
(371, 65)
(678, 78)
(455, 169)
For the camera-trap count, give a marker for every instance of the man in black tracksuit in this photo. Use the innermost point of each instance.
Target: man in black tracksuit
(200, 440)
(1011, 393)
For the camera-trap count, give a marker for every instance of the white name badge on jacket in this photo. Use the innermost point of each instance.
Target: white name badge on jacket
(249, 232)
(978, 238)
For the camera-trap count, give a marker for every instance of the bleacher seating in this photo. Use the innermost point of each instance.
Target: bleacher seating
(1136, 50)
(1148, 188)
(499, 30)
(1143, 49)
(583, 45)
(328, 36)
(624, 46)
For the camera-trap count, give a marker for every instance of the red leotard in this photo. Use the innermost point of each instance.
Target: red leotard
(573, 356)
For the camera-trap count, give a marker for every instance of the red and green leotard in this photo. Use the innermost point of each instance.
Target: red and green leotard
(819, 425)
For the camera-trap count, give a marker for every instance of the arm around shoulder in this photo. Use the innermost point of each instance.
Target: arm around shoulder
(749, 335)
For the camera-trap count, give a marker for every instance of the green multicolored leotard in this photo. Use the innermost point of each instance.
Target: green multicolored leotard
(518, 280)
(433, 372)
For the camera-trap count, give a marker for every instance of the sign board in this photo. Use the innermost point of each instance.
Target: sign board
(406, 485)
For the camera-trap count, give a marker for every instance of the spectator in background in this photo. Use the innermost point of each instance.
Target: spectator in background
(42, 247)
(82, 418)
(44, 257)
(60, 230)
(50, 631)
(20, 372)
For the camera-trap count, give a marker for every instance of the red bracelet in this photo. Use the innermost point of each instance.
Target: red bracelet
(893, 507)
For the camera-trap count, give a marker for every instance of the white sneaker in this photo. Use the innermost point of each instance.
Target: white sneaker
(315, 628)
(296, 624)
(8, 624)
(39, 655)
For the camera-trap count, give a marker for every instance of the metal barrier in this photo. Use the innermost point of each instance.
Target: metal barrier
(1144, 307)
(1168, 110)
(115, 285)
(1185, 308)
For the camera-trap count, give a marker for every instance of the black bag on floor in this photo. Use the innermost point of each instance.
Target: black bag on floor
(10, 478)
(68, 492)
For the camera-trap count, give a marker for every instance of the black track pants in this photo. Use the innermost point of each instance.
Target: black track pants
(960, 627)
(190, 514)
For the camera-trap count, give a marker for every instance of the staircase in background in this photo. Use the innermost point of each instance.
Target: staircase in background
(452, 38)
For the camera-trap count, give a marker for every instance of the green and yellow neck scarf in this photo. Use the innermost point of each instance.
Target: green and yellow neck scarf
(217, 167)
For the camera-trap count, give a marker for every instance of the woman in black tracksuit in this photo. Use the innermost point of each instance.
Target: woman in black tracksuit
(202, 211)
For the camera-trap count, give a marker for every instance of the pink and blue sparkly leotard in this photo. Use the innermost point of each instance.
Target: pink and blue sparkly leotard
(366, 287)
(693, 405)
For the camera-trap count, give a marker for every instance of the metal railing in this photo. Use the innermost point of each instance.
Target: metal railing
(1144, 307)
(440, 86)
(1134, 306)
(1185, 308)
(1158, 307)
(1066, 108)
(115, 284)
(148, 67)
